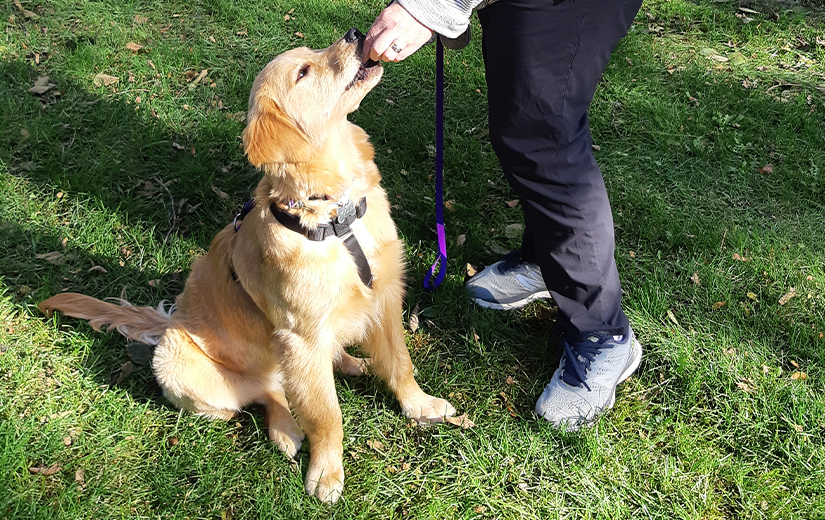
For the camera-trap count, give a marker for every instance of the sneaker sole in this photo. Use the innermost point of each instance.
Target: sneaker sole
(542, 295)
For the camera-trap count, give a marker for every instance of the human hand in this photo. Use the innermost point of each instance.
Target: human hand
(394, 35)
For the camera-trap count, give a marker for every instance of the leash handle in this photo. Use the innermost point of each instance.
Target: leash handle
(441, 263)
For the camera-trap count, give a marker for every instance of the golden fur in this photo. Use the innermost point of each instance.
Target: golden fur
(282, 327)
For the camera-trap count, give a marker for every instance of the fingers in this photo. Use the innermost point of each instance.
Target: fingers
(395, 35)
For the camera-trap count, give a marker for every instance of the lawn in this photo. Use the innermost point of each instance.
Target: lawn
(124, 160)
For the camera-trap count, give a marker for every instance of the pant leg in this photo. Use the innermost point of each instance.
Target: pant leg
(543, 63)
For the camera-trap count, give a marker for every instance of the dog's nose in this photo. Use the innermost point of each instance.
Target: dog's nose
(353, 35)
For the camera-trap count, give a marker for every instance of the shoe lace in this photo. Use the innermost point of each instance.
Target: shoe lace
(579, 356)
(510, 261)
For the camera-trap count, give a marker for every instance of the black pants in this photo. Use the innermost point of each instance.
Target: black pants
(543, 63)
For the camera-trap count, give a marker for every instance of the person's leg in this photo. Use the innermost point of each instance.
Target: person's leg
(543, 64)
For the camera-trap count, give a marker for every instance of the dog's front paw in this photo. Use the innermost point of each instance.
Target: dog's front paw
(427, 409)
(353, 366)
(325, 480)
(288, 436)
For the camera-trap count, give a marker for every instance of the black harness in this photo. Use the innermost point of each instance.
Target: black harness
(339, 227)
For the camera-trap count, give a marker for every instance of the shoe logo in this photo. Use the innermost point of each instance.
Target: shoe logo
(529, 282)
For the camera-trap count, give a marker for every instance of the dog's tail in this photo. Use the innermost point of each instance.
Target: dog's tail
(143, 324)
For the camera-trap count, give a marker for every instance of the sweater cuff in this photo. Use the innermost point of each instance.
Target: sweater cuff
(448, 18)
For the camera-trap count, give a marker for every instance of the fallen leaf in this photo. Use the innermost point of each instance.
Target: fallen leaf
(510, 380)
(743, 386)
(286, 17)
(719, 305)
(695, 279)
(749, 11)
(80, 476)
(794, 363)
(154, 283)
(462, 420)
(241, 33)
(55, 257)
(67, 441)
(197, 80)
(471, 271)
(799, 428)
(134, 47)
(766, 369)
(479, 509)
(64, 243)
(449, 205)
(513, 230)
(299, 35)
(460, 240)
(672, 317)
(787, 296)
(768, 168)
(26, 12)
(799, 375)
(39, 90)
(632, 254)
(512, 203)
(413, 321)
(42, 470)
(376, 445)
(212, 39)
(98, 269)
(117, 376)
(173, 441)
(753, 297)
(220, 193)
(737, 256)
(105, 80)
(596, 147)
(24, 290)
(140, 19)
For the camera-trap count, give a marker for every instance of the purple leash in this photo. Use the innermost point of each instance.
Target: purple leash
(441, 263)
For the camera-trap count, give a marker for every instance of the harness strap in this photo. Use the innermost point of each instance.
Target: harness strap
(339, 227)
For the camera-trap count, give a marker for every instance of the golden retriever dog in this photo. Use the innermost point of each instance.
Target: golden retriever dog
(266, 314)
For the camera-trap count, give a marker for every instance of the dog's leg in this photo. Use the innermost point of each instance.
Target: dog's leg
(353, 366)
(283, 430)
(308, 374)
(391, 360)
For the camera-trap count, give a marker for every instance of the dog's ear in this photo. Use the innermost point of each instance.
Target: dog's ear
(272, 137)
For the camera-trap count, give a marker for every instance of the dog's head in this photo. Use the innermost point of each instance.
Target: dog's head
(302, 96)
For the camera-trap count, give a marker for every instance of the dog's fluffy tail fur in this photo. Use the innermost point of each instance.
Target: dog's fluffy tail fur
(143, 324)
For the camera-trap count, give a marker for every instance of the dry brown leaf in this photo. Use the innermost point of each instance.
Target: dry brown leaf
(220, 193)
(787, 296)
(43, 470)
(794, 363)
(743, 386)
(64, 243)
(413, 321)
(449, 205)
(799, 375)
(140, 19)
(173, 441)
(26, 12)
(510, 380)
(479, 509)
(768, 168)
(198, 79)
(632, 254)
(98, 269)
(212, 39)
(799, 428)
(67, 441)
(80, 476)
(695, 279)
(39, 90)
(154, 283)
(462, 420)
(300, 35)
(460, 240)
(376, 445)
(105, 80)
(512, 203)
(286, 17)
(737, 256)
(471, 271)
(134, 47)
(719, 305)
(55, 257)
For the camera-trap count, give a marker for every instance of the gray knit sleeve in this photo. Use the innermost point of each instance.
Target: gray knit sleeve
(448, 18)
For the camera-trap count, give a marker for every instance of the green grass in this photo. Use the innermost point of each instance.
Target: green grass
(694, 104)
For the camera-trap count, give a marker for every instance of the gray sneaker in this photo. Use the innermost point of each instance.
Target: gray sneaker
(584, 386)
(507, 284)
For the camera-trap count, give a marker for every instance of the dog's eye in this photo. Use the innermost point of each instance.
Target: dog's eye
(303, 72)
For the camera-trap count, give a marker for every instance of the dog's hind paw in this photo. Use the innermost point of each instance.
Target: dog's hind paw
(288, 437)
(427, 409)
